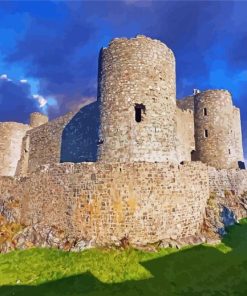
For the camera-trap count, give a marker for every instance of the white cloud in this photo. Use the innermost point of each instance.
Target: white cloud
(41, 100)
(23, 81)
(5, 77)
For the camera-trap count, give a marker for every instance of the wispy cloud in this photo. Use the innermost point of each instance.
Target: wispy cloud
(41, 100)
(17, 101)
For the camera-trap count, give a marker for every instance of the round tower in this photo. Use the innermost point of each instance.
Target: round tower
(213, 129)
(37, 119)
(137, 96)
(11, 137)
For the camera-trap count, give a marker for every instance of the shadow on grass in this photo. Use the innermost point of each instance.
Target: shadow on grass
(201, 270)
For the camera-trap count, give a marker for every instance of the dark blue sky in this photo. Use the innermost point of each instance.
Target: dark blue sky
(48, 50)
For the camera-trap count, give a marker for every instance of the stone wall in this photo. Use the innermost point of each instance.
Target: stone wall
(145, 202)
(137, 93)
(186, 103)
(11, 135)
(42, 145)
(80, 137)
(214, 129)
(227, 202)
(224, 180)
(237, 134)
(185, 134)
(37, 119)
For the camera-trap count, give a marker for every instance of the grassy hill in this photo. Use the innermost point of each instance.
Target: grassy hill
(200, 270)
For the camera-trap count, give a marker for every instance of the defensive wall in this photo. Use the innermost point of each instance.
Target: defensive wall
(224, 180)
(145, 202)
(104, 203)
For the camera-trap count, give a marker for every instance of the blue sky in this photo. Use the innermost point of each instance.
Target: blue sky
(49, 49)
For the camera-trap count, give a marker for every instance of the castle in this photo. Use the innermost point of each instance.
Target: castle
(135, 164)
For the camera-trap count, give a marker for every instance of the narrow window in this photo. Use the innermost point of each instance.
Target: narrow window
(139, 108)
(193, 155)
(138, 114)
(205, 111)
(206, 133)
(229, 150)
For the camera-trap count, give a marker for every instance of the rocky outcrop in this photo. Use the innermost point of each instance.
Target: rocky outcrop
(221, 212)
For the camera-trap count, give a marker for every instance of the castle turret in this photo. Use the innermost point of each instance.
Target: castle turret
(37, 119)
(137, 93)
(215, 129)
(11, 135)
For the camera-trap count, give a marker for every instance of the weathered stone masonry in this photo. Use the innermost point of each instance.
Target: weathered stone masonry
(135, 164)
(135, 73)
(146, 202)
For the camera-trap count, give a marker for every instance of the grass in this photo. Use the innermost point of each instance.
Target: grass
(201, 270)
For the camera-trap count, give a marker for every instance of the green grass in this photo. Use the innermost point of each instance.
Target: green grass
(201, 270)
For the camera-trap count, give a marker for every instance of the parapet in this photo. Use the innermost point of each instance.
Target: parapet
(37, 119)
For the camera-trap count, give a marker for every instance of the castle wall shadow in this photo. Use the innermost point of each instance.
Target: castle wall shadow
(200, 270)
(81, 135)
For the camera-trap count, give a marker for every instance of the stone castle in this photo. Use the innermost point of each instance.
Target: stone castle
(136, 165)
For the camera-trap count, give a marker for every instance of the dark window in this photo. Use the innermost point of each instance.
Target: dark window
(205, 111)
(139, 108)
(206, 133)
(138, 114)
(229, 150)
(193, 155)
(241, 165)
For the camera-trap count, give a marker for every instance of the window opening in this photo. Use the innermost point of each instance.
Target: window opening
(193, 155)
(205, 111)
(139, 108)
(206, 133)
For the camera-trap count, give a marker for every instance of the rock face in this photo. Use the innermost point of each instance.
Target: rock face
(222, 212)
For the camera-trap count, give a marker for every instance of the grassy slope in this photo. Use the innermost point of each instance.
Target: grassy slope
(201, 270)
